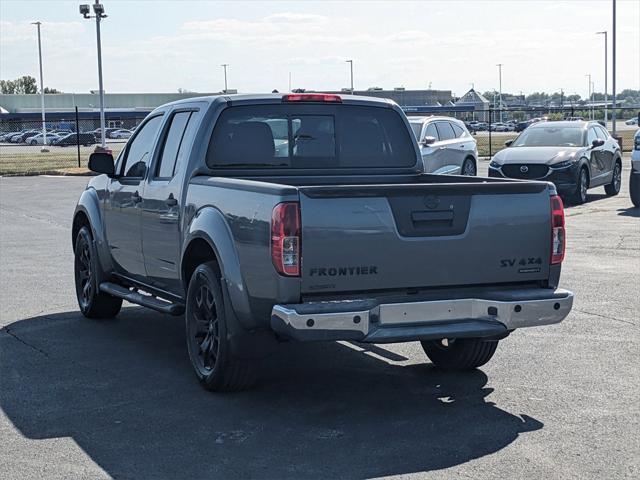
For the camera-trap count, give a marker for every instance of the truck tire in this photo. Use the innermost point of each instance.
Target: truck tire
(613, 188)
(206, 326)
(92, 302)
(459, 354)
(634, 188)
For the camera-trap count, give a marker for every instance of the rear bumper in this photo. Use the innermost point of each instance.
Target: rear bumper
(494, 314)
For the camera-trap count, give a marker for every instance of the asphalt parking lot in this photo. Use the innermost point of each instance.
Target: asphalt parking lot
(100, 399)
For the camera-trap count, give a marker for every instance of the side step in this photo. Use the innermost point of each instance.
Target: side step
(144, 300)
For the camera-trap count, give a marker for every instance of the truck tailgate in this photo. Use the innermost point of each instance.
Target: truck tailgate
(376, 237)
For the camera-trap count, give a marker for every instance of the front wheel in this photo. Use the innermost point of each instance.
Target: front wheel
(92, 302)
(579, 195)
(207, 342)
(613, 188)
(459, 354)
(469, 168)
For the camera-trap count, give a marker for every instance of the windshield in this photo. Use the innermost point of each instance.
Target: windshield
(550, 136)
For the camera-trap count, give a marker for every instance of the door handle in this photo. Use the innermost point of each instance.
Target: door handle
(135, 197)
(171, 201)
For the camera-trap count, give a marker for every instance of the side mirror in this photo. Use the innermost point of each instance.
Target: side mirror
(101, 162)
(598, 142)
(508, 142)
(429, 140)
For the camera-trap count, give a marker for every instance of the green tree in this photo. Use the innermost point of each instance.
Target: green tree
(51, 90)
(25, 85)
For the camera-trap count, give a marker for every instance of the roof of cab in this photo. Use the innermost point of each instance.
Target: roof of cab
(270, 97)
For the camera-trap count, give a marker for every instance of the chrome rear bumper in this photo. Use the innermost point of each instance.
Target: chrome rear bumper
(493, 314)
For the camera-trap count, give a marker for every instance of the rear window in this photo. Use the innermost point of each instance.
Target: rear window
(310, 136)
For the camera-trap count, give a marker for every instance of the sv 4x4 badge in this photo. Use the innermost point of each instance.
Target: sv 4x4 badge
(531, 264)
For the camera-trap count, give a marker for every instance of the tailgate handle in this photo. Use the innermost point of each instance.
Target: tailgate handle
(433, 216)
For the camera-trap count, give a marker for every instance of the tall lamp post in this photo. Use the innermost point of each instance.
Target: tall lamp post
(499, 65)
(44, 127)
(225, 65)
(98, 10)
(350, 62)
(605, 75)
(588, 75)
(613, 52)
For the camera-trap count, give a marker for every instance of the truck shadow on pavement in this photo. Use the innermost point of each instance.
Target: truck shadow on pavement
(124, 391)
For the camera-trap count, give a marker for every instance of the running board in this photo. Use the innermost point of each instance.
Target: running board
(144, 300)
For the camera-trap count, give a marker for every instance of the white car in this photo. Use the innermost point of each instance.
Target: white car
(121, 134)
(446, 145)
(632, 121)
(39, 139)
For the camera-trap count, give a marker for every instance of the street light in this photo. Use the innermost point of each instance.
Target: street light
(613, 114)
(605, 74)
(98, 9)
(351, 65)
(225, 65)
(499, 65)
(44, 128)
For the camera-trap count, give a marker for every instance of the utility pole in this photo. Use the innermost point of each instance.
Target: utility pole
(350, 62)
(499, 65)
(225, 65)
(44, 126)
(613, 114)
(289, 81)
(606, 117)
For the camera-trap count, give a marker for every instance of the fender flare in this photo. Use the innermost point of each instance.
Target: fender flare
(210, 225)
(89, 205)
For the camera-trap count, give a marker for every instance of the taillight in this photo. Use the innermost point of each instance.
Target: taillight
(312, 97)
(558, 238)
(286, 238)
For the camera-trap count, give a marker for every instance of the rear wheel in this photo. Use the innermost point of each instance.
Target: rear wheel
(459, 354)
(33, 142)
(469, 167)
(206, 325)
(613, 188)
(92, 302)
(579, 195)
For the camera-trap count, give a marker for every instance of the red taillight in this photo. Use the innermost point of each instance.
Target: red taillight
(558, 239)
(312, 97)
(286, 239)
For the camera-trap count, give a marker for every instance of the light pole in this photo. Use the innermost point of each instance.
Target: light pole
(44, 127)
(350, 62)
(225, 65)
(588, 75)
(98, 9)
(613, 114)
(499, 65)
(605, 75)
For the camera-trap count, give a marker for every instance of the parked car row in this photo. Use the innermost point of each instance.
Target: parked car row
(53, 137)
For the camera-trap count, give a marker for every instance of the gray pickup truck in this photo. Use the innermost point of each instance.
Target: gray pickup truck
(307, 217)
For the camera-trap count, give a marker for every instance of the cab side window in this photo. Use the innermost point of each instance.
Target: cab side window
(139, 151)
(459, 131)
(173, 144)
(591, 136)
(602, 133)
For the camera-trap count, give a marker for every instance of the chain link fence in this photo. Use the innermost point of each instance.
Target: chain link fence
(491, 128)
(68, 144)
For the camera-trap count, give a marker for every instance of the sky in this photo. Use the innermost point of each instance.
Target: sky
(161, 46)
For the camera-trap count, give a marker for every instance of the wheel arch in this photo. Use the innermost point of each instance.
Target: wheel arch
(208, 237)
